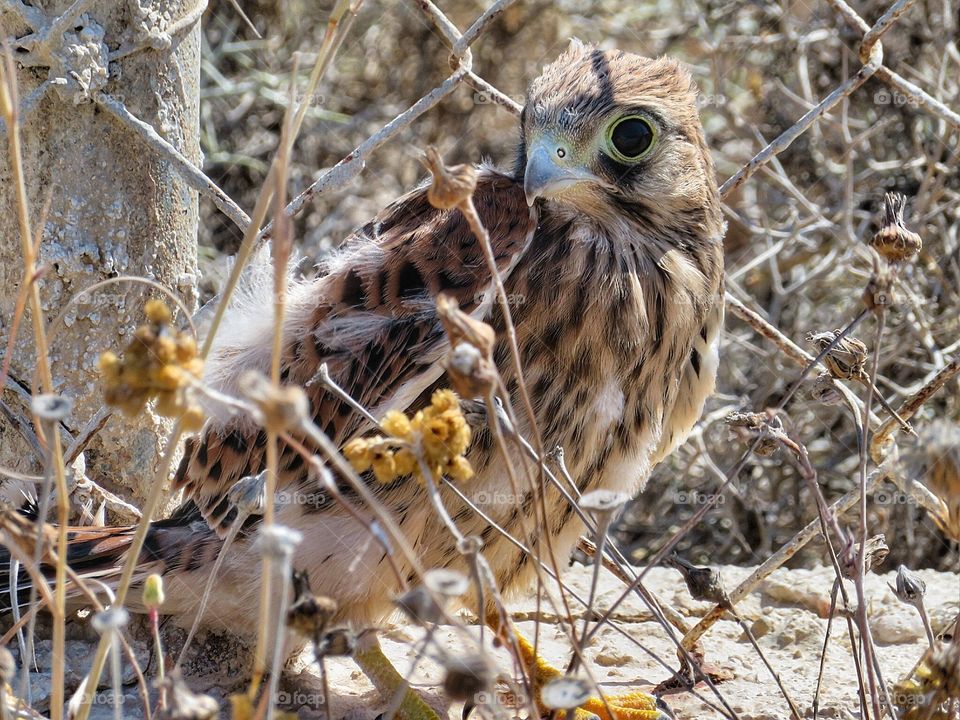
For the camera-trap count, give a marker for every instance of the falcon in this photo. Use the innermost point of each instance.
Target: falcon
(608, 237)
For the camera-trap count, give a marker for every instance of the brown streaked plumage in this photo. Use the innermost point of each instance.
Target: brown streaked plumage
(611, 251)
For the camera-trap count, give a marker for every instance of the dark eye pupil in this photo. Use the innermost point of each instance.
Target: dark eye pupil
(632, 137)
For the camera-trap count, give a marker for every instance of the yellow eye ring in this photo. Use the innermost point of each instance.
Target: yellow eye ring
(630, 139)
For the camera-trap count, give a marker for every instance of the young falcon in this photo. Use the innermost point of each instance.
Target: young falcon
(608, 236)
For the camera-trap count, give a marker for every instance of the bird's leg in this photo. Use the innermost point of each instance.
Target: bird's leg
(389, 682)
(628, 706)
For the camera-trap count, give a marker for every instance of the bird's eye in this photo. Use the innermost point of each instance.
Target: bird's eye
(629, 139)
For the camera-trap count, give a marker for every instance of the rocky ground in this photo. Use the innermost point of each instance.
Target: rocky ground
(786, 615)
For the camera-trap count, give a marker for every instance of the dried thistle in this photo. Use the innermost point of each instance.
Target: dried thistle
(451, 185)
(910, 590)
(438, 435)
(160, 363)
(910, 587)
(279, 408)
(847, 360)
(470, 363)
(824, 391)
(876, 552)
(894, 241)
(704, 583)
(749, 425)
(466, 675)
(419, 605)
(309, 614)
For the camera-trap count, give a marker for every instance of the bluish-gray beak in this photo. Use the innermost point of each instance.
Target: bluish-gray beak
(547, 174)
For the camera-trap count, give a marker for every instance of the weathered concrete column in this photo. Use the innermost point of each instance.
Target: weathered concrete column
(115, 206)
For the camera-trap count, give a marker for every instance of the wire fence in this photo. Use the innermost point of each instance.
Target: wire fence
(878, 436)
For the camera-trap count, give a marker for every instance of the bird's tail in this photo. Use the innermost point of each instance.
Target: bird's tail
(95, 555)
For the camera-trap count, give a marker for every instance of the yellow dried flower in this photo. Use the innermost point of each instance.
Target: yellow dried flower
(406, 462)
(444, 400)
(358, 453)
(438, 435)
(397, 424)
(458, 468)
(383, 465)
(157, 312)
(158, 364)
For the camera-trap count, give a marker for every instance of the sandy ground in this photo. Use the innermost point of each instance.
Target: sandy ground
(786, 614)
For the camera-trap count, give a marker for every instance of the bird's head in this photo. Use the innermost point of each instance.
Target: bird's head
(608, 128)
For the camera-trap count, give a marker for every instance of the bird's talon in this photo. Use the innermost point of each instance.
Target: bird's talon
(634, 705)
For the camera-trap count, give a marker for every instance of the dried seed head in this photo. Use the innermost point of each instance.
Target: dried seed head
(557, 456)
(469, 373)
(876, 553)
(54, 408)
(448, 583)
(847, 360)
(451, 185)
(278, 541)
(418, 604)
(339, 642)
(825, 391)
(470, 362)
(470, 545)
(309, 614)
(436, 437)
(747, 426)
(184, 704)
(602, 503)
(910, 587)
(466, 675)
(704, 583)
(894, 241)
(278, 408)
(249, 494)
(110, 620)
(160, 363)
(153, 592)
(565, 693)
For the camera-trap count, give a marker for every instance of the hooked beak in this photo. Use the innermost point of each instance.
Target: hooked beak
(546, 173)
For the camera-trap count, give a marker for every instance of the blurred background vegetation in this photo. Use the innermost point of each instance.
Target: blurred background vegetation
(796, 229)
